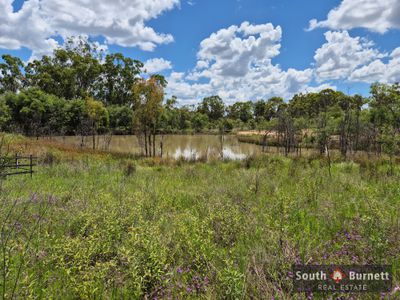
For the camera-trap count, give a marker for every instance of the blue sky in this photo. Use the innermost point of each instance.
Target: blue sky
(272, 50)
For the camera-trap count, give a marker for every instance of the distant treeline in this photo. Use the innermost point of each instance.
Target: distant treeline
(81, 91)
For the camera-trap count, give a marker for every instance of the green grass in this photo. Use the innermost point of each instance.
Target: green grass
(90, 228)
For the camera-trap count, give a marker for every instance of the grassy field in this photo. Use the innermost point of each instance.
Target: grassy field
(94, 226)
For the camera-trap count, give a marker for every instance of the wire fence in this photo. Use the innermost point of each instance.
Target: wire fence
(17, 165)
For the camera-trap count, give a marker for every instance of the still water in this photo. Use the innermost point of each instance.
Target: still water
(189, 147)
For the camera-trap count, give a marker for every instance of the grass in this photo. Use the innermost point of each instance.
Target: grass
(91, 225)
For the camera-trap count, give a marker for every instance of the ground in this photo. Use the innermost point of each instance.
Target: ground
(98, 225)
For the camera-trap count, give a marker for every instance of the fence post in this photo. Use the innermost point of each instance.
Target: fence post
(16, 161)
(31, 165)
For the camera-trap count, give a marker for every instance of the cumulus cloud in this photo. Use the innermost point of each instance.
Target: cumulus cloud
(156, 65)
(342, 54)
(378, 16)
(378, 71)
(120, 22)
(236, 63)
(355, 59)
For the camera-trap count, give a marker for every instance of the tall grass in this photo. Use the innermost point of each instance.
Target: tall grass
(118, 228)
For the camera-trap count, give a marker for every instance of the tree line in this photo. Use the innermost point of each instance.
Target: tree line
(80, 90)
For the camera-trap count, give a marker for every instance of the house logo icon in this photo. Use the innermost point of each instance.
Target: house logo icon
(338, 275)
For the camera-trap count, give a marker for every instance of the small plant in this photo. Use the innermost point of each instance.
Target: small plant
(130, 169)
(50, 158)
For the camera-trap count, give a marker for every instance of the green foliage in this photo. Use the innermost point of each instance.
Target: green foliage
(71, 72)
(199, 122)
(213, 107)
(120, 118)
(147, 110)
(97, 113)
(121, 229)
(11, 75)
(118, 75)
(5, 114)
(241, 110)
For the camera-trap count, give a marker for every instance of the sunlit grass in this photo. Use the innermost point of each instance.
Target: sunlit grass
(105, 227)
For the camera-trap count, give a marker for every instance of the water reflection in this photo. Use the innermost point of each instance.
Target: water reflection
(187, 154)
(188, 147)
(227, 153)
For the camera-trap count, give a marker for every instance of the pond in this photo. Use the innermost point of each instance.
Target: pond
(189, 147)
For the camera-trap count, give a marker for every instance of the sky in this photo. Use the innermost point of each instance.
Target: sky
(238, 49)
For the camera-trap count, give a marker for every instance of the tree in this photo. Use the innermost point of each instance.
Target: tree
(11, 75)
(241, 111)
(271, 107)
(5, 114)
(325, 127)
(98, 117)
(148, 96)
(213, 107)
(76, 119)
(259, 110)
(385, 115)
(36, 113)
(72, 72)
(118, 75)
(120, 118)
(199, 122)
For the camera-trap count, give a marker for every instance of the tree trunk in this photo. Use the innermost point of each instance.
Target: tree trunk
(145, 143)
(154, 143)
(150, 143)
(161, 145)
(94, 139)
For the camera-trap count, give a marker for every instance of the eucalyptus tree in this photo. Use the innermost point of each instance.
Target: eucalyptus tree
(5, 114)
(11, 74)
(385, 115)
(147, 104)
(213, 107)
(243, 111)
(71, 72)
(98, 117)
(118, 75)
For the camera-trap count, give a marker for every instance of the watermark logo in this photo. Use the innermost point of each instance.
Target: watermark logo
(341, 279)
(338, 275)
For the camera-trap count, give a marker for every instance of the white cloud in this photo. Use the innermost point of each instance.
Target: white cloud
(236, 63)
(342, 54)
(25, 28)
(120, 22)
(370, 73)
(156, 65)
(355, 59)
(374, 15)
(378, 71)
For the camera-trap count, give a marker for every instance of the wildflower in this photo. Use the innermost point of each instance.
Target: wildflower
(396, 289)
(52, 199)
(179, 270)
(34, 198)
(17, 226)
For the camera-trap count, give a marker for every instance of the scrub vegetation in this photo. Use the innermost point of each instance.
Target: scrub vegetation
(92, 225)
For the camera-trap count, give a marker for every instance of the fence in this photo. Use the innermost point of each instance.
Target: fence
(17, 165)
